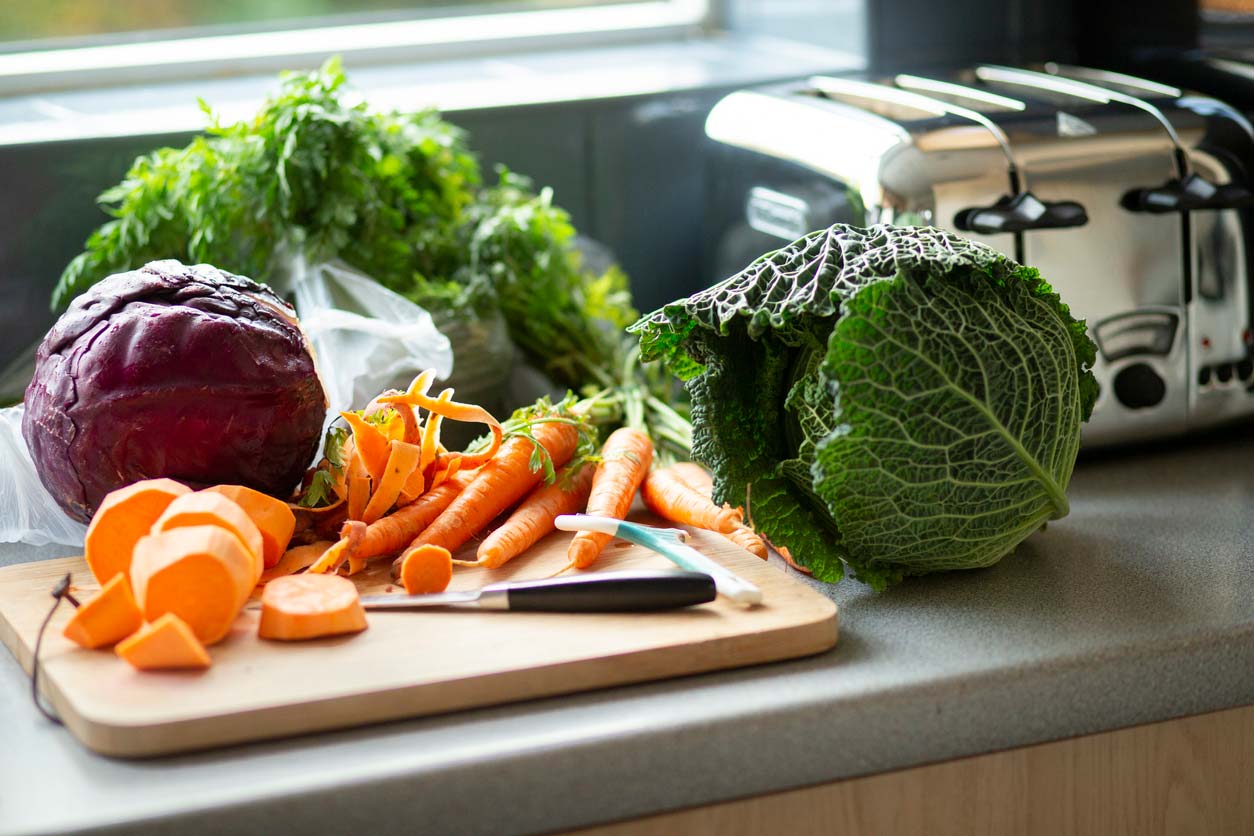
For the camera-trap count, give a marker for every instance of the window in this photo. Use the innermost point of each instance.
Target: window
(62, 43)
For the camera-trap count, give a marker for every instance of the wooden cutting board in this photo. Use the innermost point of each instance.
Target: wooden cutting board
(406, 664)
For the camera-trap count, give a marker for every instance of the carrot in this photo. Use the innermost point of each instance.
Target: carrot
(273, 519)
(166, 644)
(391, 534)
(747, 539)
(669, 496)
(402, 461)
(625, 459)
(534, 517)
(296, 559)
(426, 569)
(214, 509)
(498, 484)
(301, 607)
(126, 515)
(107, 618)
(370, 444)
(697, 477)
(203, 574)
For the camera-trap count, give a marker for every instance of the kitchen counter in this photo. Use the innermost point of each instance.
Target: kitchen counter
(1138, 607)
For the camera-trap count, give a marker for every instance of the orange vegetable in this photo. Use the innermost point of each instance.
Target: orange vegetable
(107, 618)
(203, 574)
(358, 496)
(126, 515)
(670, 496)
(350, 537)
(296, 559)
(426, 570)
(166, 644)
(498, 484)
(391, 534)
(300, 607)
(371, 444)
(747, 539)
(625, 459)
(697, 477)
(273, 518)
(214, 509)
(534, 517)
(417, 396)
(402, 461)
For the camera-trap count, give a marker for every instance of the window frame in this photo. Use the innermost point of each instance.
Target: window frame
(431, 37)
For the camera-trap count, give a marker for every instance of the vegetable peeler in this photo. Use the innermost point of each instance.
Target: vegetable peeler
(601, 592)
(671, 543)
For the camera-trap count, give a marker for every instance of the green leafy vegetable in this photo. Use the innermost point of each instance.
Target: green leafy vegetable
(398, 196)
(894, 400)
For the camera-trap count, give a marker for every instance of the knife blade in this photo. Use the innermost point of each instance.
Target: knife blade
(600, 592)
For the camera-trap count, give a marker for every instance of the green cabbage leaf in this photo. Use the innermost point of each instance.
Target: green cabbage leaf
(892, 401)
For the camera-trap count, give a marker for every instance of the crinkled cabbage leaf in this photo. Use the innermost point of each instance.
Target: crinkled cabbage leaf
(891, 400)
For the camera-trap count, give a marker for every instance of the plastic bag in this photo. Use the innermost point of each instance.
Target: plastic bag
(365, 338)
(28, 513)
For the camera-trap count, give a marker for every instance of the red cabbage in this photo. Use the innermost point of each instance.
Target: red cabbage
(186, 372)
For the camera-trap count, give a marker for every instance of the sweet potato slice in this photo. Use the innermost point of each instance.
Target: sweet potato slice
(272, 517)
(106, 619)
(126, 515)
(204, 508)
(301, 607)
(165, 644)
(202, 573)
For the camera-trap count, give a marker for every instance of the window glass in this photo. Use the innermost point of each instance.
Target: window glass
(50, 23)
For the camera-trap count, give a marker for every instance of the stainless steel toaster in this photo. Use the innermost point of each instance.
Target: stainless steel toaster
(1133, 199)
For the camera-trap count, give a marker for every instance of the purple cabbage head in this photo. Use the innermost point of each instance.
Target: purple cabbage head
(186, 372)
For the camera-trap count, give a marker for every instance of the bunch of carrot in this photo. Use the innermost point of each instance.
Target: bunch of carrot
(540, 464)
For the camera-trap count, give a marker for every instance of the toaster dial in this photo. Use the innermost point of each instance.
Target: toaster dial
(1138, 386)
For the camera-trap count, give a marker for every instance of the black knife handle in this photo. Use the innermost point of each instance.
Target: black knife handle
(608, 592)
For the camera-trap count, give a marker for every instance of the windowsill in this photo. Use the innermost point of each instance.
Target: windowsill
(531, 78)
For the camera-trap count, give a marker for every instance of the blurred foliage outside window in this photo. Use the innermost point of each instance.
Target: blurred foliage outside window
(24, 24)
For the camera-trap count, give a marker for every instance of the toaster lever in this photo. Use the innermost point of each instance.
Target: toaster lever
(1186, 194)
(1020, 213)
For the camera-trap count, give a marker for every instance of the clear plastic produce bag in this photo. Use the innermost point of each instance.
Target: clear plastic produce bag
(28, 513)
(365, 338)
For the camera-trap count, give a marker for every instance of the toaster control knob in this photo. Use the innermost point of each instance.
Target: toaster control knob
(1138, 386)
(1020, 213)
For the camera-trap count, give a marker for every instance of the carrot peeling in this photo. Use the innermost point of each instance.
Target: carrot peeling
(625, 459)
(370, 444)
(350, 538)
(296, 559)
(454, 411)
(402, 461)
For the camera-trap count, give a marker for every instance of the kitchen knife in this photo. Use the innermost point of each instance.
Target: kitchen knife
(600, 592)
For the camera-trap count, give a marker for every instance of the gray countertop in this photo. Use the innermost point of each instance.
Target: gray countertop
(1138, 607)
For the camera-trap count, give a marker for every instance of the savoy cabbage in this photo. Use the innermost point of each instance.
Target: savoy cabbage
(895, 400)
